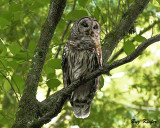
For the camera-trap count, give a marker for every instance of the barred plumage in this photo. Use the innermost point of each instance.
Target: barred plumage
(82, 55)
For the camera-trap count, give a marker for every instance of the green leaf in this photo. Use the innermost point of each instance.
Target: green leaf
(4, 22)
(56, 40)
(103, 18)
(54, 63)
(1, 117)
(32, 46)
(139, 38)
(40, 79)
(51, 75)
(20, 68)
(12, 64)
(18, 83)
(96, 13)
(6, 14)
(128, 47)
(14, 48)
(18, 15)
(2, 46)
(10, 98)
(48, 69)
(7, 86)
(101, 82)
(76, 14)
(131, 1)
(22, 57)
(158, 1)
(61, 25)
(36, 5)
(83, 3)
(53, 83)
(1, 80)
(15, 7)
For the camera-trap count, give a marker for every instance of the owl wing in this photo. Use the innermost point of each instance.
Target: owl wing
(64, 64)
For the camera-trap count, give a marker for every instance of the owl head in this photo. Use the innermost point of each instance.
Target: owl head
(85, 26)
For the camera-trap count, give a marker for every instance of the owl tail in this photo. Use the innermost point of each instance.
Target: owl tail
(81, 110)
(81, 100)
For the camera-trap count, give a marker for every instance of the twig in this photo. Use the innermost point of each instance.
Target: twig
(99, 11)
(116, 55)
(152, 32)
(141, 32)
(109, 14)
(117, 13)
(149, 27)
(12, 78)
(128, 3)
(143, 108)
(11, 85)
(74, 5)
(136, 52)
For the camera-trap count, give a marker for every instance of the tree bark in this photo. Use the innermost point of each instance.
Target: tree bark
(28, 109)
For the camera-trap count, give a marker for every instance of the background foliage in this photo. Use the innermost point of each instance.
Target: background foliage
(133, 90)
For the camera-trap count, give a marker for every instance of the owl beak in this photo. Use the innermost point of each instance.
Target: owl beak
(90, 32)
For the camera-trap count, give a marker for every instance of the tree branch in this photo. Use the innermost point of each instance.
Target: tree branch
(149, 27)
(138, 51)
(53, 104)
(117, 12)
(115, 36)
(143, 108)
(11, 85)
(141, 32)
(28, 104)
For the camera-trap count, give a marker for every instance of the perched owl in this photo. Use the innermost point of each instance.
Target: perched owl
(82, 55)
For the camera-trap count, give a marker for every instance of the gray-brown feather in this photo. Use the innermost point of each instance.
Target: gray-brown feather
(80, 57)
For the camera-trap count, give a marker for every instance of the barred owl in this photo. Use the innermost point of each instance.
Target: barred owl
(82, 55)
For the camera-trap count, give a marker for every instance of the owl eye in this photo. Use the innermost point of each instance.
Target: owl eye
(84, 24)
(95, 27)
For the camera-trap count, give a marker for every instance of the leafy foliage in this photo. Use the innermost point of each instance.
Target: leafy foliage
(128, 47)
(132, 92)
(76, 14)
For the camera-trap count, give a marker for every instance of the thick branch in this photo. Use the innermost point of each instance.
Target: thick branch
(53, 104)
(112, 39)
(54, 15)
(28, 106)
